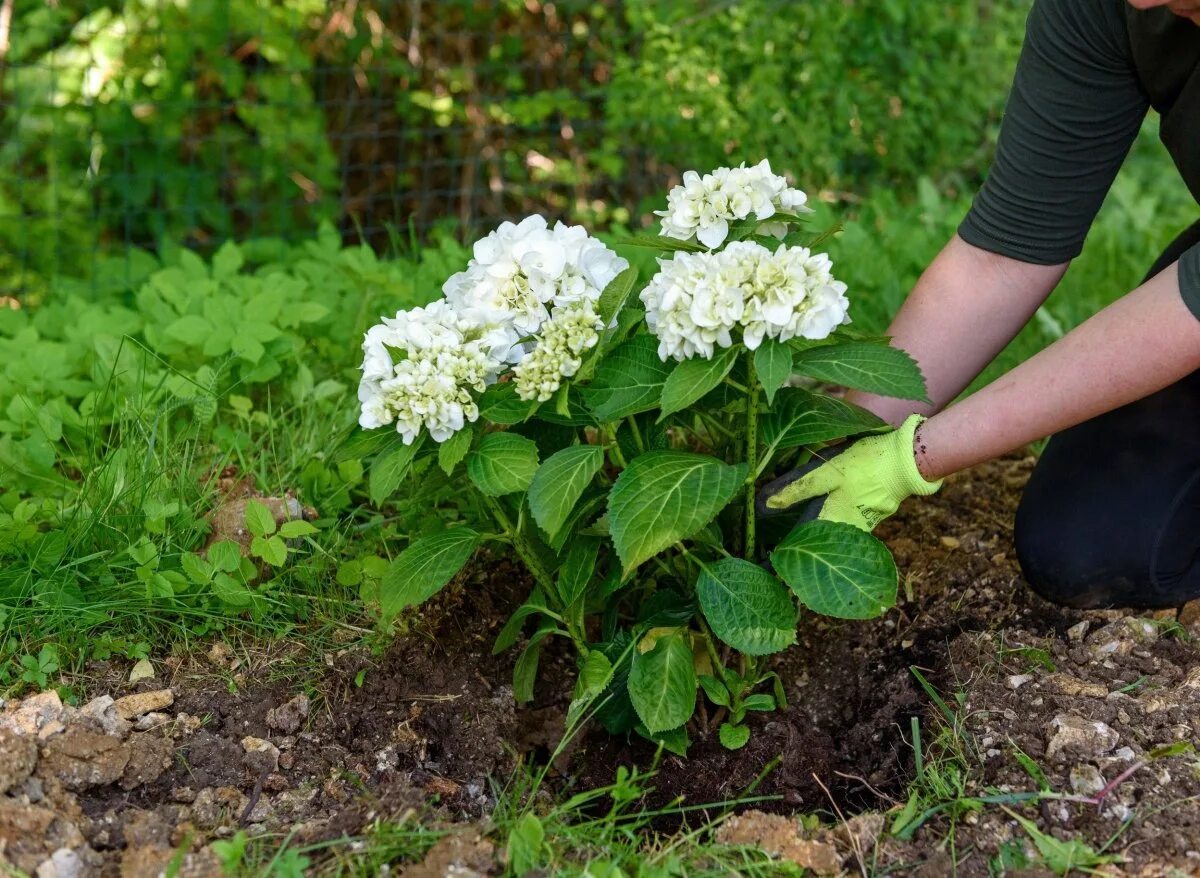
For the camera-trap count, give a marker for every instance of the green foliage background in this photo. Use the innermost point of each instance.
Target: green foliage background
(203, 204)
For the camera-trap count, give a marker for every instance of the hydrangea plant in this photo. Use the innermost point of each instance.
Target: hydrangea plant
(615, 440)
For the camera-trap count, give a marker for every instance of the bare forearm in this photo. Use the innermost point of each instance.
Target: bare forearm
(1136, 346)
(965, 308)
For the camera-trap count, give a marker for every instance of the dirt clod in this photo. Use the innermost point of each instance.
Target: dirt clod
(132, 706)
(1074, 736)
(781, 837)
(289, 717)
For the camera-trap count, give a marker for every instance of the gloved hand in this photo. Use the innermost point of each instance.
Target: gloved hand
(862, 484)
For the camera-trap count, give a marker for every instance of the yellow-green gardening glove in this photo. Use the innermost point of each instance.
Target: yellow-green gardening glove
(861, 485)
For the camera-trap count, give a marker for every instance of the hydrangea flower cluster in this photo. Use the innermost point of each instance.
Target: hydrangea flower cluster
(572, 331)
(443, 357)
(526, 299)
(698, 301)
(702, 207)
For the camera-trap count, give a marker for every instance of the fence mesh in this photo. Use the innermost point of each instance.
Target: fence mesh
(127, 124)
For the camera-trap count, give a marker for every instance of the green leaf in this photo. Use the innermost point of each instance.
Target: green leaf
(663, 497)
(715, 690)
(196, 568)
(389, 469)
(874, 368)
(759, 701)
(594, 675)
(259, 520)
(225, 555)
(424, 568)
(837, 570)
(511, 632)
(191, 330)
(577, 569)
(296, 528)
(672, 740)
(500, 404)
(804, 418)
(587, 510)
(525, 670)
(663, 243)
(560, 482)
(453, 450)
(503, 464)
(662, 683)
(525, 842)
(629, 380)
(614, 296)
(270, 549)
(773, 363)
(693, 378)
(733, 737)
(747, 607)
(229, 591)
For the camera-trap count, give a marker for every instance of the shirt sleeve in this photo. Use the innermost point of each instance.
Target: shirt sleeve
(1189, 279)
(1074, 110)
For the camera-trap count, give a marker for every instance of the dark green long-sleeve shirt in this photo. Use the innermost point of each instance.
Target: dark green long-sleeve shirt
(1089, 72)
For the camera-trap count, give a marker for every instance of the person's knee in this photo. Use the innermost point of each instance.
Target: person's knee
(1057, 564)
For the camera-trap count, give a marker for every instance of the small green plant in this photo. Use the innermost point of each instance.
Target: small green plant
(36, 670)
(618, 458)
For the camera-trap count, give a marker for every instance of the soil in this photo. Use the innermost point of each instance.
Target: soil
(422, 728)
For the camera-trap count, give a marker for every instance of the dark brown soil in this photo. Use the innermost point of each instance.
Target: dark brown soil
(431, 721)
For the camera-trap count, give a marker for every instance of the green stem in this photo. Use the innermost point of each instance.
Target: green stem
(614, 448)
(528, 557)
(637, 435)
(751, 453)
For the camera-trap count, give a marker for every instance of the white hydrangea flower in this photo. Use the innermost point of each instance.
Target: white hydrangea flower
(697, 301)
(702, 207)
(443, 359)
(572, 331)
(521, 271)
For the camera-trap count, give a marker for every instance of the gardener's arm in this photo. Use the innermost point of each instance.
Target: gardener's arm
(1140, 344)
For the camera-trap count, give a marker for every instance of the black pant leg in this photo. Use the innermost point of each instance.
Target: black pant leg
(1111, 514)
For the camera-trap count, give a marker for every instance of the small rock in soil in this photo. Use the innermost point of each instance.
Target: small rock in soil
(781, 837)
(142, 670)
(289, 717)
(18, 756)
(262, 757)
(132, 706)
(461, 854)
(1069, 735)
(1086, 779)
(1077, 631)
(34, 713)
(63, 863)
(103, 712)
(81, 759)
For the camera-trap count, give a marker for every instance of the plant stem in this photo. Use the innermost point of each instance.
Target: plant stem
(751, 453)
(524, 551)
(637, 435)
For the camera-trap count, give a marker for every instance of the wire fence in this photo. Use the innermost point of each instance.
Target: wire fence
(130, 124)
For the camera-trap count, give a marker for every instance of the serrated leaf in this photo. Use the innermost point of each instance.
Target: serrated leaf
(196, 568)
(803, 418)
(229, 591)
(424, 568)
(746, 606)
(773, 363)
(270, 549)
(693, 378)
(591, 506)
(595, 673)
(500, 404)
(225, 555)
(577, 569)
(837, 570)
(663, 243)
(503, 463)
(560, 482)
(389, 469)
(614, 296)
(295, 529)
(714, 689)
(259, 520)
(453, 450)
(873, 368)
(663, 497)
(733, 737)
(628, 381)
(662, 683)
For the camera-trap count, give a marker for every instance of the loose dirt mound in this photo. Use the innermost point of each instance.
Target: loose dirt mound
(120, 786)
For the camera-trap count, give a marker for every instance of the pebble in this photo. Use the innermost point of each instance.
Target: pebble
(1086, 779)
(1078, 631)
(951, 542)
(262, 757)
(289, 717)
(63, 863)
(142, 670)
(1068, 734)
(1016, 681)
(132, 706)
